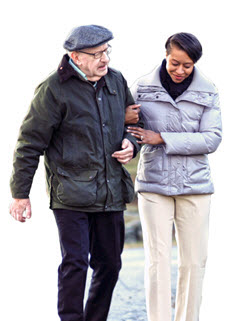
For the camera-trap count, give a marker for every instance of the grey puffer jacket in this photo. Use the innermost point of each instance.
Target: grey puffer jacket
(190, 127)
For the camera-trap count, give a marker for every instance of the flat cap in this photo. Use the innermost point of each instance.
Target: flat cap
(87, 37)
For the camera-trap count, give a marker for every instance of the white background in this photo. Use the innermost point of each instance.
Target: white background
(32, 33)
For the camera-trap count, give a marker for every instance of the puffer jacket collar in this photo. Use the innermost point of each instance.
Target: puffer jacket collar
(200, 91)
(65, 72)
(199, 82)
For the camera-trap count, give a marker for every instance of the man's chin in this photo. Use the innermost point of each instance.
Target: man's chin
(103, 71)
(100, 74)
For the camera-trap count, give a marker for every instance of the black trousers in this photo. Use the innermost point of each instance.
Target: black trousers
(102, 236)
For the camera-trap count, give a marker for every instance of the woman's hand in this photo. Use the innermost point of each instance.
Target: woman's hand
(132, 114)
(145, 136)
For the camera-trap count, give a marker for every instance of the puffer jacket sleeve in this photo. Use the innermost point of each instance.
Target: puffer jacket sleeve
(34, 137)
(205, 141)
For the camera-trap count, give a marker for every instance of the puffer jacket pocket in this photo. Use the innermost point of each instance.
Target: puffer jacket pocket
(127, 186)
(150, 166)
(76, 189)
(198, 169)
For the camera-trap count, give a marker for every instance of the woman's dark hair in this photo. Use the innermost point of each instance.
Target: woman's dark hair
(187, 42)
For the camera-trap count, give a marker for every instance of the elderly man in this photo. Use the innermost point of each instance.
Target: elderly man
(76, 120)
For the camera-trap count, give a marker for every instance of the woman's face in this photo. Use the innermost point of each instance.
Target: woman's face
(179, 65)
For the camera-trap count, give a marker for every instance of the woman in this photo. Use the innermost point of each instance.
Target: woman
(180, 109)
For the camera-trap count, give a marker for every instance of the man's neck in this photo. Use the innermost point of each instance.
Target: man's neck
(71, 62)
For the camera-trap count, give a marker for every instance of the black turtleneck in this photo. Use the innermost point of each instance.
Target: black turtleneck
(173, 88)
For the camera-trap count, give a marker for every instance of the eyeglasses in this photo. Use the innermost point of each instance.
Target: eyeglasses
(99, 54)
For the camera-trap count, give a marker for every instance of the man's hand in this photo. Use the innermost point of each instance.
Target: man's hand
(132, 114)
(18, 207)
(126, 154)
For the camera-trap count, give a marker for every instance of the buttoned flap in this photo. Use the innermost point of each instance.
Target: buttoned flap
(151, 93)
(76, 187)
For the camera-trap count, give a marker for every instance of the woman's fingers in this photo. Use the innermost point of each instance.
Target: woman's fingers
(135, 131)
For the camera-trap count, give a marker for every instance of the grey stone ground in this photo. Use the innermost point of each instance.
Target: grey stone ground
(128, 303)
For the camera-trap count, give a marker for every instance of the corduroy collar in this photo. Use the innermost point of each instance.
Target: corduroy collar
(65, 70)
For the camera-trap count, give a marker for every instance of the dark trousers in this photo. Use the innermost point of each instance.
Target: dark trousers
(81, 233)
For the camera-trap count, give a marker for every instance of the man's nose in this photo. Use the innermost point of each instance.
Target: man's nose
(105, 57)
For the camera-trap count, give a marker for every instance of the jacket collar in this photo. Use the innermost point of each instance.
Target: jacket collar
(199, 82)
(109, 83)
(200, 91)
(66, 71)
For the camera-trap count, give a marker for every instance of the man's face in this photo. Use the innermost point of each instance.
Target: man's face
(94, 68)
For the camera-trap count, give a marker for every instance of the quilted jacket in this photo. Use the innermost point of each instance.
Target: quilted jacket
(191, 129)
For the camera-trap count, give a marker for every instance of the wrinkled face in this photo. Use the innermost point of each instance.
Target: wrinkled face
(93, 68)
(179, 65)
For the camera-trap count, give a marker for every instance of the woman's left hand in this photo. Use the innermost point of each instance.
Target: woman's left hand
(145, 136)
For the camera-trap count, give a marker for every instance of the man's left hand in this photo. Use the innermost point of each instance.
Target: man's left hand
(126, 154)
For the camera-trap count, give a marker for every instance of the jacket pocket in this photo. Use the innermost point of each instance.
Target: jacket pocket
(127, 186)
(198, 170)
(76, 189)
(150, 166)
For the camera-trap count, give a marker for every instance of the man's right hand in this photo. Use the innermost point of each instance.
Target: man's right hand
(132, 114)
(18, 208)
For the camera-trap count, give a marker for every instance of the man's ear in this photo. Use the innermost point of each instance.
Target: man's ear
(75, 57)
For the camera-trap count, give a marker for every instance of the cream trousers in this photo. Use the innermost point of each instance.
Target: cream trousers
(190, 214)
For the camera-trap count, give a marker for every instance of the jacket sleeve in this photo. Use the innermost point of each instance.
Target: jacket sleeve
(205, 141)
(34, 137)
(130, 101)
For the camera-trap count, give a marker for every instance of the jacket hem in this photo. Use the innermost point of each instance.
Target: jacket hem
(145, 188)
(91, 209)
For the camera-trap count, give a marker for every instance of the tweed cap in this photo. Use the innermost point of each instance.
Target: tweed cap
(87, 37)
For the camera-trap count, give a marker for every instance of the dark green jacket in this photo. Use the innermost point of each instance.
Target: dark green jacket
(77, 128)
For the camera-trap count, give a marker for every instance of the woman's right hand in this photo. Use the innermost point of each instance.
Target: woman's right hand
(132, 114)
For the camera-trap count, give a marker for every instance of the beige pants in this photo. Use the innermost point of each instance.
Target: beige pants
(190, 213)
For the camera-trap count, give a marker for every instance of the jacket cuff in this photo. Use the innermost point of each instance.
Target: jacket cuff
(133, 141)
(19, 195)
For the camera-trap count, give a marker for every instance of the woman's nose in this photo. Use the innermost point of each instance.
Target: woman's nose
(180, 70)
